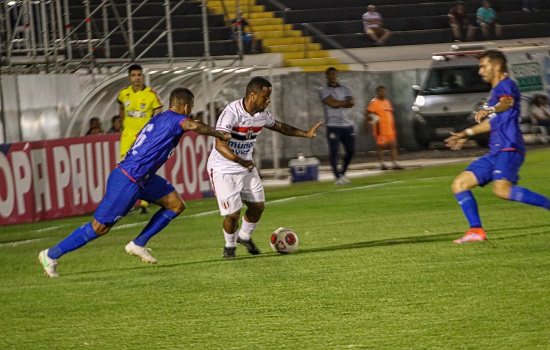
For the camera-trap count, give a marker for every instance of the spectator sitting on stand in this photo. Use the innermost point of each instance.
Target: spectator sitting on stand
(459, 23)
(239, 27)
(486, 19)
(372, 23)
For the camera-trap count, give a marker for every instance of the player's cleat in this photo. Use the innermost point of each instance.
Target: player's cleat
(252, 249)
(384, 167)
(48, 264)
(141, 252)
(144, 210)
(344, 179)
(472, 235)
(397, 167)
(229, 252)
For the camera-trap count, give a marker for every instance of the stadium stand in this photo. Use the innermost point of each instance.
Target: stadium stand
(279, 26)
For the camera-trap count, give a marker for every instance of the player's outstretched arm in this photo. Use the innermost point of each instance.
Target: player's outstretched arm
(457, 139)
(204, 129)
(289, 130)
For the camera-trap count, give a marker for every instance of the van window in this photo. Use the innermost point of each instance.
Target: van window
(454, 80)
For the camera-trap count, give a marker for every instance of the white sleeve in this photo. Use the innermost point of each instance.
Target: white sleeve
(227, 120)
(269, 120)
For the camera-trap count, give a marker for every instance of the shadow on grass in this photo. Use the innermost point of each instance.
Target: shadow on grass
(441, 237)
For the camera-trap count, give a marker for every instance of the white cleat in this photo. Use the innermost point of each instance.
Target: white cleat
(141, 252)
(48, 264)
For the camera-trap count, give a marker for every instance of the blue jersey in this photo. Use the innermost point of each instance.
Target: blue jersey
(153, 146)
(505, 131)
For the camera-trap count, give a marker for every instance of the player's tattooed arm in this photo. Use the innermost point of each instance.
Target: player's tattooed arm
(227, 152)
(289, 130)
(202, 128)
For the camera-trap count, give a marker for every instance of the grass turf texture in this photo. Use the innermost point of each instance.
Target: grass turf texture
(375, 269)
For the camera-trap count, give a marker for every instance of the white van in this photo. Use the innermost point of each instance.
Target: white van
(453, 90)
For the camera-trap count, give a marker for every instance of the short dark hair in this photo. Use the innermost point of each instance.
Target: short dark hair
(115, 117)
(256, 85)
(496, 56)
(181, 95)
(134, 67)
(330, 69)
(379, 87)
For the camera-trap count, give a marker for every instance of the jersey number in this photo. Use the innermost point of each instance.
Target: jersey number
(141, 137)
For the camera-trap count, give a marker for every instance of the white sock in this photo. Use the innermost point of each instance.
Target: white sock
(230, 239)
(246, 229)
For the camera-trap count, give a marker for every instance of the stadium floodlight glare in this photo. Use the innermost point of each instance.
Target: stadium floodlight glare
(216, 70)
(242, 70)
(153, 72)
(178, 71)
(11, 3)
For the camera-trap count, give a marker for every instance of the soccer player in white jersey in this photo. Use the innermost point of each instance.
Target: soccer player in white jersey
(234, 177)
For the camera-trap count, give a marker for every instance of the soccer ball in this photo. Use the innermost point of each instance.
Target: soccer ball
(284, 240)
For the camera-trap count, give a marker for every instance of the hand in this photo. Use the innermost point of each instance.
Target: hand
(249, 164)
(350, 102)
(311, 133)
(456, 140)
(482, 114)
(226, 137)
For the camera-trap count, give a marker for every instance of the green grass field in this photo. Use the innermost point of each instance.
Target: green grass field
(375, 269)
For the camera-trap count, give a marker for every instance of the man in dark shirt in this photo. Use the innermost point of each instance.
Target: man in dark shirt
(459, 23)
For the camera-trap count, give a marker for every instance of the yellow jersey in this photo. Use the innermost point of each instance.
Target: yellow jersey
(138, 106)
(138, 110)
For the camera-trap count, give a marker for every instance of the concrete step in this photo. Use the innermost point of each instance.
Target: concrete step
(277, 34)
(285, 41)
(302, 62)
(257, 11)
(271, 27)
(292, 47)
(305, 54)
(322, 68)
(256, 22)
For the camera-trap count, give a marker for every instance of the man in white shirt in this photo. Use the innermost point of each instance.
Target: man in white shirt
(372, 23)
(234, 177)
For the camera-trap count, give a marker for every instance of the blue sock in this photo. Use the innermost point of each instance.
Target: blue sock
(157, 223)
(468, 204)
(77, 239)
(523, 195)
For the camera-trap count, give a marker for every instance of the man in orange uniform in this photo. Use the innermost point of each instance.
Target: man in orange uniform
(379, 115)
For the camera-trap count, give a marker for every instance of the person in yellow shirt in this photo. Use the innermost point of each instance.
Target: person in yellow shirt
(137, 105)
(379, 116)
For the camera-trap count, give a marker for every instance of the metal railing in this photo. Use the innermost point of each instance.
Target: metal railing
(37, 35)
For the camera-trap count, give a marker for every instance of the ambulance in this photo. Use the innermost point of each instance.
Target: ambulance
(453, 91)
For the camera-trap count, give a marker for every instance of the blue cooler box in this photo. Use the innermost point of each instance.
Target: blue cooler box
(304, 169)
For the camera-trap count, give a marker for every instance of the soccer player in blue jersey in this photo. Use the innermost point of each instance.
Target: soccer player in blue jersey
(135, 178)
(506, 153)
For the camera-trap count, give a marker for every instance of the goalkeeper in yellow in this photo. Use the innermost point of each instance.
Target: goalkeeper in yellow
(137, 105)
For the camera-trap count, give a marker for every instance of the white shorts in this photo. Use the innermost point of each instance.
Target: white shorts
(232, 189)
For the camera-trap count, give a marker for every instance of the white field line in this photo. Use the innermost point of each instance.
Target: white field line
(15, 244)
(216, 212)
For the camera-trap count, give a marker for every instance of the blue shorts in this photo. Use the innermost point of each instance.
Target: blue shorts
(500, 166)
(122, 193)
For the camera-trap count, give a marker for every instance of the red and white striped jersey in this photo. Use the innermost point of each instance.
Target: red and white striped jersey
(244, 129)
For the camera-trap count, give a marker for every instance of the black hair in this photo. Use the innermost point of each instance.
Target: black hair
(257, 84)
(134, 67)
(496, 56)
(380, 87)
(115, 117)
(181, 95)
(330, 69)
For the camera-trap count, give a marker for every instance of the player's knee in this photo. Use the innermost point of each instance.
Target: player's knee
(178, 207)
(501, 191)
(458, 186)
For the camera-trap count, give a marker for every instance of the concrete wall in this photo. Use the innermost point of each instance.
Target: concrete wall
(49, 106)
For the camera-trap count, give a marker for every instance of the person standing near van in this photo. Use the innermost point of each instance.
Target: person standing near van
(379, 116)
(506, 148)
(337, 100)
